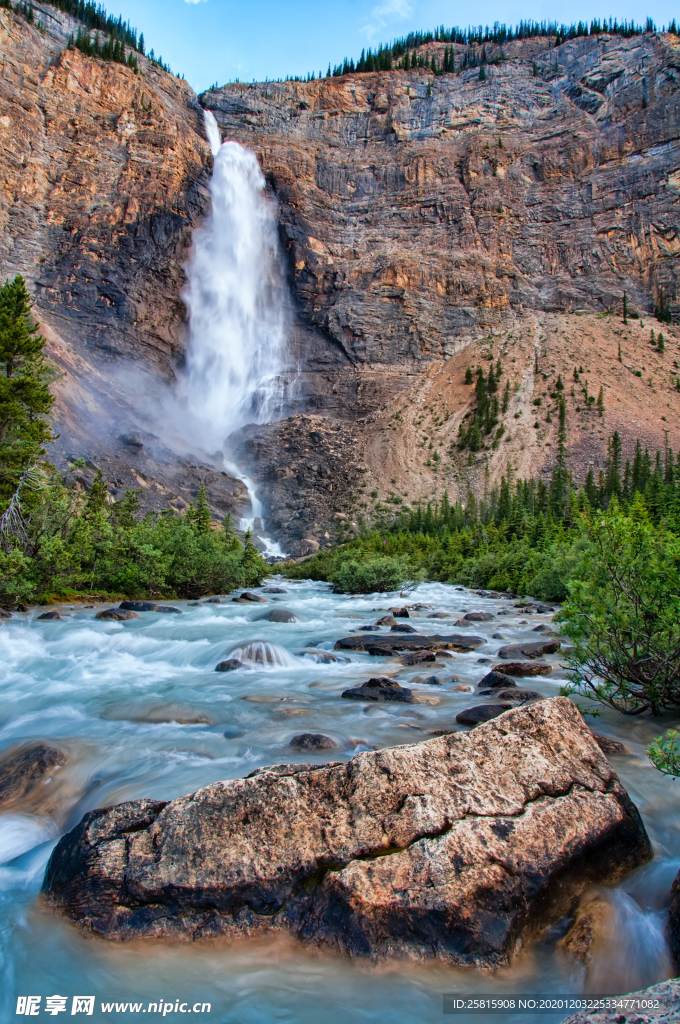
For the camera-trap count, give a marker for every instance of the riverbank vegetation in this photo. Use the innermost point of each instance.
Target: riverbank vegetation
(57, 540)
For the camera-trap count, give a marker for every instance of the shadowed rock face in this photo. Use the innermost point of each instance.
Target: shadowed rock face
(482, 839)
(410, 218)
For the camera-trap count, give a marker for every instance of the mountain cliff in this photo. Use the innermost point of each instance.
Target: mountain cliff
(428, 224)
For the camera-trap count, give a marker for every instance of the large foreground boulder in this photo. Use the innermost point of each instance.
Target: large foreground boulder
(459, 848)
(659, 1003)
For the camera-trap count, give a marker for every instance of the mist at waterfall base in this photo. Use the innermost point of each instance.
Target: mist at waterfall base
(236, 304)
(141, 713)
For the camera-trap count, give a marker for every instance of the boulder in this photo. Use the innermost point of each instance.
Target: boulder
(674, 923)
(515, 694)
(439, 615)
(428, 681)
(248, 595)
(400, 613)
(169, 609)
(4, 614)
(274, 590)
(277, 615)
(23, 771)
(463, 688)
(495, 681)
(312, 741)
(229, 665)
(478, 617)
(380, 688)
(138, 606)
(417, 657)
(370, 629)
(531, 649)
(481, 713)
(387, 620)
(459, 848)
(590, 923)
(384, 646)
(659, 1003)
(50, 615)
(213, 600)
(115, 615)
(402, 627)
(525, 668)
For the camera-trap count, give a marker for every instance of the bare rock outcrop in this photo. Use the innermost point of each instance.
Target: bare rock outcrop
(654, 1005)
(459, 848)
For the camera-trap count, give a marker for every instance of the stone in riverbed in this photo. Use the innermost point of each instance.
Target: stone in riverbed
(169, 609)
(495, 681)
(115, 615)
(380, 688)
(387, 620)
(384, 646)
(531, 649)
(460, 848)
(477, 617)
(608, 745)
(659, 1004)
(248, 595)
(515, 694)
(274, 590)
(229, 665)
(402, 627)
(138, 606)
(417, 657)
(439, 615)
(50, 615)
(525, 668)
(23, 771)
(481, 713)
(276, 615)
(312, 741)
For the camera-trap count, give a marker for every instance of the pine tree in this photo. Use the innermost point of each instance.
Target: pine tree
(468, 375)
(482, 74)
(199, 512)
(24, 386)
(620, 360)
(661, 347)
(600, 401)
(141, 43)
(96, 499)
(625, 308)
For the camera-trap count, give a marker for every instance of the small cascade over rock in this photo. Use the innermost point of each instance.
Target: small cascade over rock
(265, 654)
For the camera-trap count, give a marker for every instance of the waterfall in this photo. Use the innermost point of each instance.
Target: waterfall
(235, 301)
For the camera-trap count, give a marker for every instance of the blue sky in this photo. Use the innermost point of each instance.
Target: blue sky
(219, 40)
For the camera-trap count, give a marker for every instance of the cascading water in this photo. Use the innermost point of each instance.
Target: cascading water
(235, 300)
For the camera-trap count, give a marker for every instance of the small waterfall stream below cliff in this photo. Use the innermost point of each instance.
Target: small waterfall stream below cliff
(235, 300)
(141, 712)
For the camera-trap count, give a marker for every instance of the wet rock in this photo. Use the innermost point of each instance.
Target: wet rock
(497, 636)
(659, 1004)
(387, 620)
(417, 657)
(531, 649)
(21, 772)
(463, 688)
(229, 665)
(542, 628)
(370, 629)
(274, 590)
(515, 694)
(384, 646)
(608, 745)
(495, 681)
(481, 713)
(248, 595)
(428, 681)
(478, 617)
(213, 600)
(544, 609)
(138, 606)
(460, 848)
(400, 613)
(589, 924)
(115, 615)
(439, 615)
(169, 609)
(5, 614)
(525, 668)
(312, 741)
(402, 627)
(380, 688)
(483, 661)
(277, 615)
(182, 714)
(50, 615)
(673, 929)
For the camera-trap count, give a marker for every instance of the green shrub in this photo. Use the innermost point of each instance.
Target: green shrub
(372, 575)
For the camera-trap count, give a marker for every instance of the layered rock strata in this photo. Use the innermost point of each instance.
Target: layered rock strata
(459, 848)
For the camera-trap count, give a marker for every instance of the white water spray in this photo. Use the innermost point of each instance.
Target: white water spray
(234, 298)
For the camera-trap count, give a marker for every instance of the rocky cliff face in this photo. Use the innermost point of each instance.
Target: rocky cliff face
(429, 223)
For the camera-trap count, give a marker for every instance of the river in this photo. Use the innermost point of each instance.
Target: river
(141, 712)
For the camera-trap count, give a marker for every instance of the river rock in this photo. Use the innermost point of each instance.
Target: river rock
(674, 923)
(384, 646)
(659, 1004)
(50, 615)
(229, 665)
(274, 590)
(312, 741)
(608, 745)
(417, 657)
(169, 609)
(516, 694)
(400, 613)
(439, 615)
(462, 687)
(459, 848)
(402, 627)
(531, 649)
(589, 924)
(525, 668)
(387, 620)
(248, 595)
(115, 615)
(277, 615)
(380, 688)
(477, 617)
(138, 606)
(495, 681)
(23, 771)
(481, 713)
(428, 681)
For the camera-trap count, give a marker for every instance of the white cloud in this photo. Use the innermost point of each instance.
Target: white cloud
(195, 1)
(382, 14)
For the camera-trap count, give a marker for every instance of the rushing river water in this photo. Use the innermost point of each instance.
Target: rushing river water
(141, 712)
